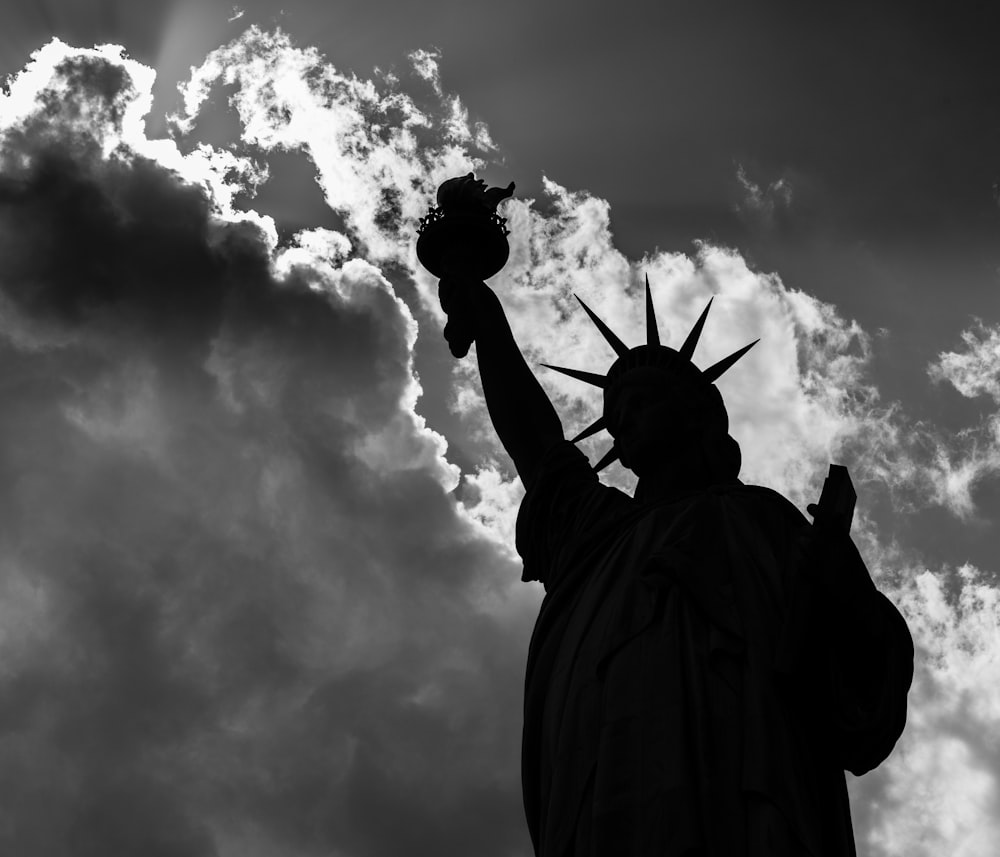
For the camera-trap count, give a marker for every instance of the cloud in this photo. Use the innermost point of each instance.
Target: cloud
(973, 455)
(761, 204)
(242, 610)
(378, 154)
(426, 64)
(803, 397)
(794, 400)
(976, 371)
(938, 792)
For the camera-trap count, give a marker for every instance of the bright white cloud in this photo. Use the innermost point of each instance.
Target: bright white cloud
(938, 791)
(976, 370)
(801, 398)
(426, 65)
(496, 503)
(792, 400)
(958, 464)
(379, 156)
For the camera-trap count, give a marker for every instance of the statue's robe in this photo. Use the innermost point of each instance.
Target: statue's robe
(687, 691)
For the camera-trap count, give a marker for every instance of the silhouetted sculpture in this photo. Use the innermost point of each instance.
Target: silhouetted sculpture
(706, 663)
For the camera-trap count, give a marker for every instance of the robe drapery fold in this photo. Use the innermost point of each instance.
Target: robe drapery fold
(674, 701)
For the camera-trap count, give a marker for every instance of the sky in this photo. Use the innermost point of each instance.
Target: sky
(258, 592)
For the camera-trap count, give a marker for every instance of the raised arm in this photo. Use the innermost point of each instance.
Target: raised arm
(522, 414)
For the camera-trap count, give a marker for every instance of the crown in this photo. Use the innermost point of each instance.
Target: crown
(652, 354)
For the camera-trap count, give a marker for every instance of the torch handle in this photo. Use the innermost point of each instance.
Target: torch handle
(459, 331)
(459, 336)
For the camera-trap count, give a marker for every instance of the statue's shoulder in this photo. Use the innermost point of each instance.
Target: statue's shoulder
(761, 501)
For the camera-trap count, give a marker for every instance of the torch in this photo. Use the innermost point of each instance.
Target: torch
(463, 238)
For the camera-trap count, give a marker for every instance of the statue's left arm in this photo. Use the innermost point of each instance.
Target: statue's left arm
(867, 649)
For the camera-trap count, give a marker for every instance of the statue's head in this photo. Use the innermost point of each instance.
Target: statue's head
(660, 408)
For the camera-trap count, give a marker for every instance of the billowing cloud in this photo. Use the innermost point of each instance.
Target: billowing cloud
(938, 793)
(241, 609)
(378, 154)
(242, 613)
(794, 400)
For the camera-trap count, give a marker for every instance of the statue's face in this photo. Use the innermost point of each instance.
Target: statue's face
(650, 426)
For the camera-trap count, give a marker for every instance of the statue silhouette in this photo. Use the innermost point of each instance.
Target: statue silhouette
(706, 663)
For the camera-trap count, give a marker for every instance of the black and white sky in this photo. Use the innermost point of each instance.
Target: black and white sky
(258, 593)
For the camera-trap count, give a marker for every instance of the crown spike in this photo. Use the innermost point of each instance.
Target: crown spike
(713, 372)
(609, 457)
(593, 428)
(580, 375)
(621, 349)
(687, 349)
(652, 334)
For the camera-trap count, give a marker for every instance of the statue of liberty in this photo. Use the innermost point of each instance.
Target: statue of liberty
(706, 663)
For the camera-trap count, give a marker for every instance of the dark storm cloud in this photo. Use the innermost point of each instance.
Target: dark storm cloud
(241, 614)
